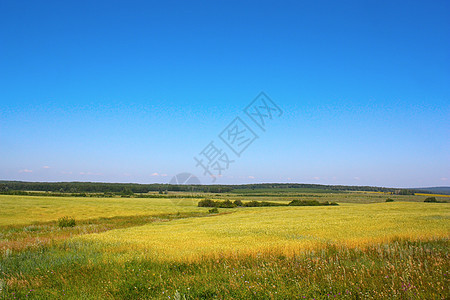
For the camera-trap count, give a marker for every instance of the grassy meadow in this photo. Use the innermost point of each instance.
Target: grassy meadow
(168, 248)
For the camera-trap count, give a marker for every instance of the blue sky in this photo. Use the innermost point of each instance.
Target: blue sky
(131, 91)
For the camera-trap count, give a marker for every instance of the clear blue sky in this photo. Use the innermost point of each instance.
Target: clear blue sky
(131, 91)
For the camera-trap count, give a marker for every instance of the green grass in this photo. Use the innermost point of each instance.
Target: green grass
(397, 270)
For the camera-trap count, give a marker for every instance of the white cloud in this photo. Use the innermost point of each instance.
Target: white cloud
(251, 177)
(444, 178)
(45, 167)
(155, 174)
(25, 171)
(356, 178)
(164, 175)
(316, 178)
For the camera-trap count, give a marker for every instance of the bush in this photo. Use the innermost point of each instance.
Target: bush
(310, 203)
(433, 200)
(212, 203)
(389, 200)
(238, 203)
(225, 204)
(66, 222)
(252, 204)
(127, 192)
(214, 211)
(304, 203)
(206, 203)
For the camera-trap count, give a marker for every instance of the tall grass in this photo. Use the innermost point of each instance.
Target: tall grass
(396, 270)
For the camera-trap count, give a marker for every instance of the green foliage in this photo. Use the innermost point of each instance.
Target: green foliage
(226, 204)
(66, 222)
(404, 192)
(311, 203)
(434, 200)
(23, 188)
(212, 203)
(431, 199)
(389, 200)
(238, 203)
(127, 192)
(214, 210)
(207, 203)
(12, 187)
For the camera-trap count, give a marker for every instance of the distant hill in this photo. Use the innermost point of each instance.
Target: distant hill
(444, 190)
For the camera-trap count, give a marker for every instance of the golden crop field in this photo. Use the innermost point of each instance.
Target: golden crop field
(286, 230)
(29, 209)
(142, 248)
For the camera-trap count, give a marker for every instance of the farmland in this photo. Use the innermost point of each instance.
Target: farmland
(168, 247)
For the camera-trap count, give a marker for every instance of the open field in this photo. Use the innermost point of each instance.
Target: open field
(140, 248)
(31, 209)
(284, 230)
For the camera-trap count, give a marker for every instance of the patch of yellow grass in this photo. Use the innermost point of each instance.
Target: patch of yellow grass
(16, 210)
(284, 230)
(432, 195)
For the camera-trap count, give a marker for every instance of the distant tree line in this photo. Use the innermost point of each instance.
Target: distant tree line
(133, 188)
(100, 187)
(342, 188)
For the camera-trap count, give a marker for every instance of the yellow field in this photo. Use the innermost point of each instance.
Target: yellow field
(16, 210)
(433, 195)
(286, 230)
(159, 248)
(251, 231)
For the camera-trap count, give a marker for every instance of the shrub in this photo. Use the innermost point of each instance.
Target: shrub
(206, 203)
(127, 192)
(238, 203)
(265, 203)
(329, 203)
(304, 203)
(310, 203)
(262, 203)
(212, 203)
(389, 200)
(214, 210)
(66, 222)
(225, 204)
(431, 199)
